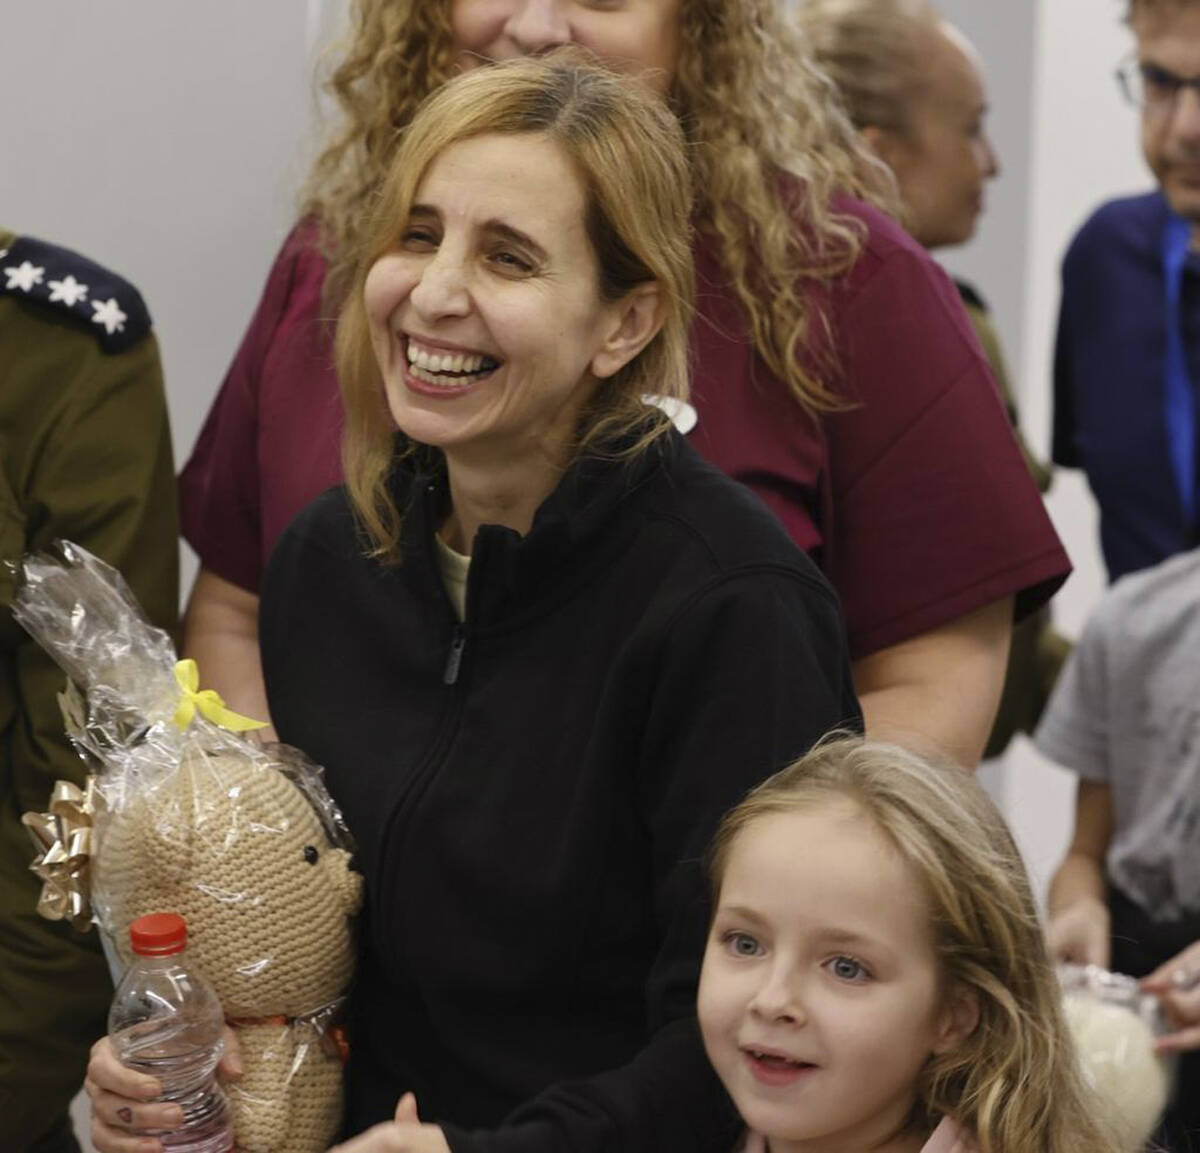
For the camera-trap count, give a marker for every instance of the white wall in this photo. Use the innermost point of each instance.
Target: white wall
(995, 259)
(1081, 145)
(1085, 150)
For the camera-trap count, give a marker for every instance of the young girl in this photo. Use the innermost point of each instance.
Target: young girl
(875, 976)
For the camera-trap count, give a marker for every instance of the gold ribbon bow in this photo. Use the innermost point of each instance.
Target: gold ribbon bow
(63, 837)
(208, 703)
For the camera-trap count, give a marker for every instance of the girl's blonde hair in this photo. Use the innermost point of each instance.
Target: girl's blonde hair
(768, 145)
(628, 151)
(1014, 1083)
(874, 51)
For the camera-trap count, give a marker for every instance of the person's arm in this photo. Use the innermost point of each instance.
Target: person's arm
(220, 633)
(103, 479)
(937, 693)
(937, 539)
(1078, 928)
(745, 678)
(1074, 732)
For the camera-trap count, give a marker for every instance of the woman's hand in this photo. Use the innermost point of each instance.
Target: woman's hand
(406, 1134)
(1177, 984)
(124, 1100)
(1080, 933)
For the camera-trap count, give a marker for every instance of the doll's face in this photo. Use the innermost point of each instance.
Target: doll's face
(237, 850)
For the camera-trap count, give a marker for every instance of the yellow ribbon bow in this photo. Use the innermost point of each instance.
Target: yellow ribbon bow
(208, 702)
(64, 838)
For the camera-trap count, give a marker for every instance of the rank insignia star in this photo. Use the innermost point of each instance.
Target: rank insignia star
(68, 290)
(24, 276)
(37, 275)
(109, 314)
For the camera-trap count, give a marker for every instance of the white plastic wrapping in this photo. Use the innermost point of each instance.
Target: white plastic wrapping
(1114, 1025)
(243, 840)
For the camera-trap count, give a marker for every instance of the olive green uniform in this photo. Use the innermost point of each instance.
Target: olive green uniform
(85, 455)
(1037, 652)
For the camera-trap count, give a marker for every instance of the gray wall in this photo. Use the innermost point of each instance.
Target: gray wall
(995, 259)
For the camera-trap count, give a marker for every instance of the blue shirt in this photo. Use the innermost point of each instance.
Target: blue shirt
(1109, 379)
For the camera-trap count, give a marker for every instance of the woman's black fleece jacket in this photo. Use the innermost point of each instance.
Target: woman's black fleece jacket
(533, 791)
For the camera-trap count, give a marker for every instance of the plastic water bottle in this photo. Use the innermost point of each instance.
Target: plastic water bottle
(166, 1020)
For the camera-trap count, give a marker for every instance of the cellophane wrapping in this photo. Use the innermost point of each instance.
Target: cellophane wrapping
(240, 838)
(1114, 1025)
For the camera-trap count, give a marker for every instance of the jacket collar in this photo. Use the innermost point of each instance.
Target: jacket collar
(574, 531)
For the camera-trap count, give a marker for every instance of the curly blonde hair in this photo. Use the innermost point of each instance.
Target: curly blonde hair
(628, 152)
(769, 147)
(1014, 1083)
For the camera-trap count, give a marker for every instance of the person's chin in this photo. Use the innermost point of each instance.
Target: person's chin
(951, 235)
(779, 1120)
(1182, 191)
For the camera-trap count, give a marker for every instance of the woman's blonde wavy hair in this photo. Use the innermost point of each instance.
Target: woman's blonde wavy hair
(628, 151)
(769, 146)
(1014, 1084)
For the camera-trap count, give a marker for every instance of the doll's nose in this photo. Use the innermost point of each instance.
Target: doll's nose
(347, 883)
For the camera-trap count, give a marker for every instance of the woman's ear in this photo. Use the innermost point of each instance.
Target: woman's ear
(882, 142)
(959, 1017)
(636, 320)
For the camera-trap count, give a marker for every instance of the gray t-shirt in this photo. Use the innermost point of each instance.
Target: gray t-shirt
(1126, 712)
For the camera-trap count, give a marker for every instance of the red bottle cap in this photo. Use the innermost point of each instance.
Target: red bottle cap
(158, 935)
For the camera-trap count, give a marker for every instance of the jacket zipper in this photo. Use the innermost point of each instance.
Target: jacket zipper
(458, 642)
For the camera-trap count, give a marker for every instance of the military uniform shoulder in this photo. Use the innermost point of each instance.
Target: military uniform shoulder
(971, 295)
(75, 287)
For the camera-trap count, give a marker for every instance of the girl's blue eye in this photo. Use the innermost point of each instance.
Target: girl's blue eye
(742, 944)
(848, 969)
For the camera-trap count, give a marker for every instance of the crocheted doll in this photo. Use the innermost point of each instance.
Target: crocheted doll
(191, 818)
(236, 848)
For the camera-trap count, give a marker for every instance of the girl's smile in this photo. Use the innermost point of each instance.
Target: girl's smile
(773, 1068)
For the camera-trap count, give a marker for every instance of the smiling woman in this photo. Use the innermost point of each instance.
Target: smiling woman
(508, 232)
(486, 321)
(532, 758)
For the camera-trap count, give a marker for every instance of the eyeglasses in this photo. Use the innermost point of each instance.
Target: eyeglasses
(1152, 88)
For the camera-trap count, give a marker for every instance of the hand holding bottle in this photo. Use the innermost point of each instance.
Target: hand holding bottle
(151, 1081)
